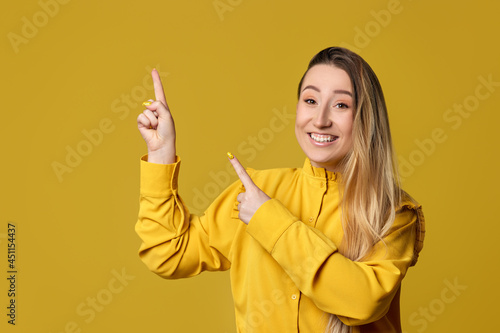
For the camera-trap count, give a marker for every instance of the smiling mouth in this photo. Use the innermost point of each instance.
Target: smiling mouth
(323, 137)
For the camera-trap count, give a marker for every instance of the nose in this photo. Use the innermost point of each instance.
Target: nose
(322, 117)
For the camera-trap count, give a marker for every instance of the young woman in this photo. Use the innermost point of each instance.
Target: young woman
(322, 248)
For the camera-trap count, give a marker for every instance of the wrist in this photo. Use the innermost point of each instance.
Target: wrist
(161, 157)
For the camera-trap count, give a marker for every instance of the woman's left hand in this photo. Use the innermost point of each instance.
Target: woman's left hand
(252, 198)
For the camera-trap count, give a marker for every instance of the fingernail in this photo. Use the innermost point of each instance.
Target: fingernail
(146, 103)
(230, 155)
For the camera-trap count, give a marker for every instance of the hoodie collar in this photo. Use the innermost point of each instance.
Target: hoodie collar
(322, 173)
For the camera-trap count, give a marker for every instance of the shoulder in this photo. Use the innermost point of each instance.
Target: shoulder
(412, 211)
(408, 203)
(270, 178)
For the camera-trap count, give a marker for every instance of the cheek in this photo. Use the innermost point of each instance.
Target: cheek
(349, 130)
(297, 127)
(347, 125)
(298, 121)
(300, 125)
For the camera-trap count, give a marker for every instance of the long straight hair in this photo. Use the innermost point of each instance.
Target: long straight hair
(370, 182)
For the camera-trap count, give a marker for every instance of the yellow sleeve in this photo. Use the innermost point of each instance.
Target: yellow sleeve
(176, 244)
(357, 292)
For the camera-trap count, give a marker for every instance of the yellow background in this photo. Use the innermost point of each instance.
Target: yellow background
(229, 67)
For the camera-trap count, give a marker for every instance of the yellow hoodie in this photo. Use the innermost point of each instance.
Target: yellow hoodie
(286, 272)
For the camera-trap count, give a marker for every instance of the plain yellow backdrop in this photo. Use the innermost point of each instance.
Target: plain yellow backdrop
(73, 75)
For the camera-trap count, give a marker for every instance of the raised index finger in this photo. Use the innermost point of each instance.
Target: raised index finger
(159, 94)
(242, 173)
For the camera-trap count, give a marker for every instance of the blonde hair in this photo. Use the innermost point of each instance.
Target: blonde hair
(370, 182)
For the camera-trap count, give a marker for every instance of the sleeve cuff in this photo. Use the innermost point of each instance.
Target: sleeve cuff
(269, 223)
(159, 180)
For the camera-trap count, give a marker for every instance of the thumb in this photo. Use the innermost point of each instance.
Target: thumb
(241, 172)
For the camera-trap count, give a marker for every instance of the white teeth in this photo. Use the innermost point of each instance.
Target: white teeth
(322, 137)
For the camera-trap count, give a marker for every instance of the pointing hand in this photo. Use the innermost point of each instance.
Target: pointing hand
(156, 126)
(252, 198)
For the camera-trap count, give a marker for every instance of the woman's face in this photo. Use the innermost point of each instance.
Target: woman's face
(325, 115)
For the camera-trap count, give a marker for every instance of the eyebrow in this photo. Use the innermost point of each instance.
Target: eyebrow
(338, 91)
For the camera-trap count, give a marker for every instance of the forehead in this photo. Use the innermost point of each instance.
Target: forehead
(328, 77)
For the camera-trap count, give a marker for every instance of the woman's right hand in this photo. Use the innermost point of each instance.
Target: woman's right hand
(157, 126)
